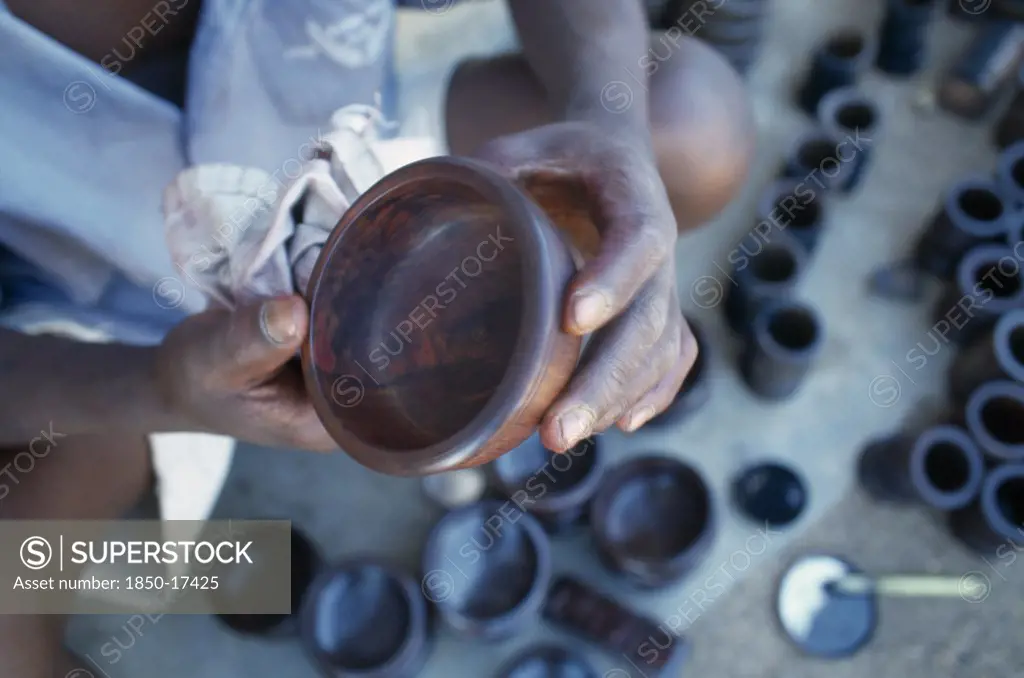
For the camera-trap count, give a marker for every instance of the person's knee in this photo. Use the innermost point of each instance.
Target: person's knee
(700, 117)
(703, 128)
(30, 645)
(88, 477)
(488, 97)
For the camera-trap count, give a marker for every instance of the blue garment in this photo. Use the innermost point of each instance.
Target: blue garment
(87, 153)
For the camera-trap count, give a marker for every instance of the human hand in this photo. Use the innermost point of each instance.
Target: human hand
(228, 372)
(626, 292)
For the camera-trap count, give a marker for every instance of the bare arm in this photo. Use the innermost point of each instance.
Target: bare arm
(216, 372)
(577, 48)
(626, 294)
(82, 388)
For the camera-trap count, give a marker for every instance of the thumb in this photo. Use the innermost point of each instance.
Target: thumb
(256, 341)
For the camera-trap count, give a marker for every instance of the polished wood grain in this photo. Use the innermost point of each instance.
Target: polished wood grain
(435, 337)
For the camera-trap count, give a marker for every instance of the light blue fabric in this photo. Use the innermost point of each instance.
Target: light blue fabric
(87, 153)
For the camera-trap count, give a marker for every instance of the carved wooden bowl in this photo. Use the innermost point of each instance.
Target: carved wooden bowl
(435, 337)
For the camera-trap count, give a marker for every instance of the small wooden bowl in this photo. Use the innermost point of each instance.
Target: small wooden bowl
(435, 337)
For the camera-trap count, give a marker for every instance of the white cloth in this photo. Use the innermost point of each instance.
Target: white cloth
(95, 144)
(232, 230)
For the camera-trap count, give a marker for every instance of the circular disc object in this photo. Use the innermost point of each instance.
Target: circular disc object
(818, 621)
(770, 493)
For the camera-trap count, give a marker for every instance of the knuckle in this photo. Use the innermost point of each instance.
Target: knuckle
(492, 151)
(669, 357)
(504, 151)
(207, 382)
(687, 348)
(626, 384)
(661, 400)
(675, 345)
(308, 433)
(655, 238)
(319, 444)
(614, 412)
(619, 373)
(651, 313)
(653, 244)
(306, 440)
(613, 389)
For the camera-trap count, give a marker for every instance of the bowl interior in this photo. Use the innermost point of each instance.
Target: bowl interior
(793, 328)
(776, 264)
(980, 203)
(361, 618)
(946, 466)
(237, 583)
(417, 311)
(1010, 499)
(856, 115)
(814, 152)
(771, 493)
(657, 513)
(497, 560)
(985, 269)
(1009, 343)
(798, 217)
(1003, 418)
(846, 45)
(536, 471)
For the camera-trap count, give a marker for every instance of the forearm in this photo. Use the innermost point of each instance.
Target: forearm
(79, 387)
(578, 48)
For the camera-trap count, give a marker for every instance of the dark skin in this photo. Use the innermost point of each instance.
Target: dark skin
(626, 293)
(221, 372)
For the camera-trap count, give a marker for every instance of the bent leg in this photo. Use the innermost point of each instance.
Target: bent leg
(84, 478)
(701, 119)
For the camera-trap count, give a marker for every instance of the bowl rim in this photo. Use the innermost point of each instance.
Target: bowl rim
(546, 651)
(768, 463)
(533, 343)
(829, 106)
(1008, 159)
(555, 500)
(286, 624)
(532, 601)
(951, 434)
(980, 396)
(977, 228)
(416, 634)
(692, 482)
(818, 134)
(975, 261)
(782, 241)
(990, 500)
(1007, 324)
(771, 346)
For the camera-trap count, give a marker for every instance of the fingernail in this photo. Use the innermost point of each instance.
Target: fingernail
(589, 310)
(640, 417)
(279, 320)
(574, 426)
